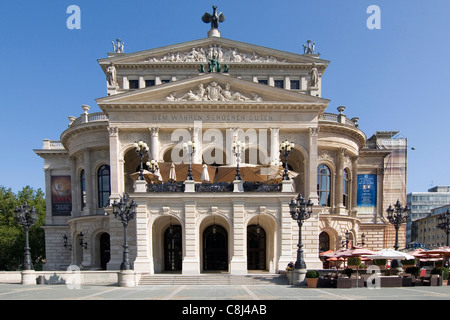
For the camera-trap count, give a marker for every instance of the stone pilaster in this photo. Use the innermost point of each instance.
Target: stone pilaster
(311, 187)
(238, 264)
(143, 262)
(285, 236)
(191, 262)
(115, 172)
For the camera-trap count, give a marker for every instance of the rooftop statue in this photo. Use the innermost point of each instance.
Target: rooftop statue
(214, 19)
(119, 47)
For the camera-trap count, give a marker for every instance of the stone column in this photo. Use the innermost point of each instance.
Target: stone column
(339, 185)
(191, 260)
(274, 145)
(90, 182)
(311, 188)
(48, 196)
(115, 172)
(354, 183)
(238, 262)
(154, 144)
(75, 188)
(380, 196)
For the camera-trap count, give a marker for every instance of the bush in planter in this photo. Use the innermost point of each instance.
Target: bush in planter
(441, 271)
(312, 278)
(354, 261)
(311, 274)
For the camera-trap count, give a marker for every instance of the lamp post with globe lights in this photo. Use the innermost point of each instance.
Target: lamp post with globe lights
(189, 147)
(286, 148)
(397, 217)
(300, 211)
(141, 149)
(238, 147)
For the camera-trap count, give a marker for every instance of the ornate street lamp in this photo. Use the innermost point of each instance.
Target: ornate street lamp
(66, 244)
(444, 224)
(124, 212)
(238, 147)
(397, 217)
(286, 149)
(363, 238)
(152, 166)
(300, 211)
(26, 218)
(141, 149)
(189, 147)
(344, 243)
(81, 237)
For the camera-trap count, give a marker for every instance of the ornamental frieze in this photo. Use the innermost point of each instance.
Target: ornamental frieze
(213, 92)
(221, 54)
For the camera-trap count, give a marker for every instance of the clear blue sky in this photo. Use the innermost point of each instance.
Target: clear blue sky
(395, 78)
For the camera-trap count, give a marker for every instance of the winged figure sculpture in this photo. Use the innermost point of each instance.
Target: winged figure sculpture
(214, 18)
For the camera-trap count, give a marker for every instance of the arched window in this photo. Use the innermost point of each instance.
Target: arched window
(104, 186)
(324, 185)
(345, 189)
(83, 189)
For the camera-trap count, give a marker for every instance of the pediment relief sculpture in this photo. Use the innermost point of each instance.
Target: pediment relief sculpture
(206, 54)
(213, 92)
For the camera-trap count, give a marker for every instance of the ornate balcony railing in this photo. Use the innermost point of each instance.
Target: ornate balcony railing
(214, 187)
(262, 187)
(166, 187)
(93, 117)
(338, 118)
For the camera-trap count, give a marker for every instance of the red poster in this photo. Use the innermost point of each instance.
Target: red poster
(61, 196)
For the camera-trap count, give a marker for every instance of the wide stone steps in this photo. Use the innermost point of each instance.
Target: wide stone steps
(212, 279)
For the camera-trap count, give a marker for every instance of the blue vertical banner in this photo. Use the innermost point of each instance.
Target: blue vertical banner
(367, 193)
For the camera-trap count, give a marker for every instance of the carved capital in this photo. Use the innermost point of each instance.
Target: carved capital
(113, 131)
(154, 131)
(314, 132)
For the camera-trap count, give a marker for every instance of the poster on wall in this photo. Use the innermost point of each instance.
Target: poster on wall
(367, 193)
(61, 196)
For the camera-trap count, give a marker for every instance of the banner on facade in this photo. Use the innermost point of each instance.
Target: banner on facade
(367, 193)
(61, 195)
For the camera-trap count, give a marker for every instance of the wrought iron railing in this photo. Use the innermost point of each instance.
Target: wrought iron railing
(214, 187)
(166, 187)
(261, 187)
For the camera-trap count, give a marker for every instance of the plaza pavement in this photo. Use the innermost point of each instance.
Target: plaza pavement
(222, 292)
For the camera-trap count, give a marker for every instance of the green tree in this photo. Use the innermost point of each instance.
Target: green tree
(12, 235)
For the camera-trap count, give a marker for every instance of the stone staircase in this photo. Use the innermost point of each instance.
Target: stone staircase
(212, 279)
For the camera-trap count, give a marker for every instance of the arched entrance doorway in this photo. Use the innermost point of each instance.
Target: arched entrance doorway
(105, 250)
(324, 241)
(173, 250)
(256, 248)
(215, 249)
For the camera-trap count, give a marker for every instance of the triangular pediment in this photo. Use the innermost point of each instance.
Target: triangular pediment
(211, 89)
(200, 51)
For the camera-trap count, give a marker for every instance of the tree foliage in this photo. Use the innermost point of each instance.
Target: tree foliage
(12, 235)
